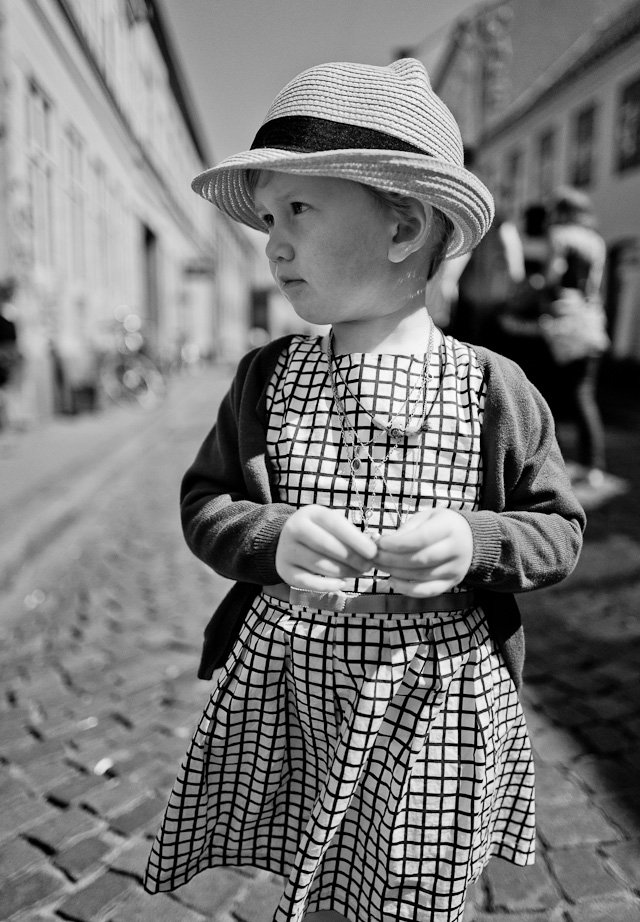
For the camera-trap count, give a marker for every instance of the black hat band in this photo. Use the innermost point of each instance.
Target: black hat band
(305, 134)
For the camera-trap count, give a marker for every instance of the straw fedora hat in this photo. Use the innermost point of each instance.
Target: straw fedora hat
(381, 126)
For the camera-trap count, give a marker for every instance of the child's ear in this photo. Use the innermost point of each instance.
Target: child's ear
(411, 230)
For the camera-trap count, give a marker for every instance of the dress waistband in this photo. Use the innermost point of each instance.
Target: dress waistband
(371, 602)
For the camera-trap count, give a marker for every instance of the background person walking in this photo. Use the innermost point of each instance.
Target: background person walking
(574, 323)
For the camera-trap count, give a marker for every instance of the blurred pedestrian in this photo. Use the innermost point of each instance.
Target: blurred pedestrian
(574, 324)
(10, 355)
(488, 280)
(378, 493)
(520, 335)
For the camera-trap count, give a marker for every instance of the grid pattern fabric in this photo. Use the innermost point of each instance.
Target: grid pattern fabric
(375, 761)
(442, 467)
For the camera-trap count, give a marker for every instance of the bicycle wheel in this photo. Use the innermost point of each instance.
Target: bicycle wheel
(133, 381)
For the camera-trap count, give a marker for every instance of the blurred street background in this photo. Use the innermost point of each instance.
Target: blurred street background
(125, 303)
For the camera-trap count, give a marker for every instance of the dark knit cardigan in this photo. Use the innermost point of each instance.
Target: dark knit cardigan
(527, 532)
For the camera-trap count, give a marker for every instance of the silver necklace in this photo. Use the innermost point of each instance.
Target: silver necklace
(396, 432)
(357, 446)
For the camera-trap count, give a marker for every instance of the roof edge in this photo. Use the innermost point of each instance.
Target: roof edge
(583, 55)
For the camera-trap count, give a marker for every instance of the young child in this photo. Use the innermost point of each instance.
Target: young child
(378, 495)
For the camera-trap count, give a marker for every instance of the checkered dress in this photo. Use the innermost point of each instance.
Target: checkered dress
(376, 761)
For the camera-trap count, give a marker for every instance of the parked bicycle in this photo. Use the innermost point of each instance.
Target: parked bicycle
(127, 375)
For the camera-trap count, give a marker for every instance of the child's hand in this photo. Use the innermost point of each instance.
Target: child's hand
(427, 555)
(318, 548)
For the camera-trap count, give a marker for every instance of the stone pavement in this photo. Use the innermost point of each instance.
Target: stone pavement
(100, 621)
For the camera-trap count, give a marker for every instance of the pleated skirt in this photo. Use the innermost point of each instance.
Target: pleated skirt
(375, 761)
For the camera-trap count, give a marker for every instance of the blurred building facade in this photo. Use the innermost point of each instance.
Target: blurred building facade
(547, 93)
(99, 140)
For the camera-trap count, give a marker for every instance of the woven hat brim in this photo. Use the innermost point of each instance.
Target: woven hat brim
(453, 189)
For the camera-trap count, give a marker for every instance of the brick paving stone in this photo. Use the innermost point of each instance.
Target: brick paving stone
(132, 857)
(260, 900)
(18, 856)
(50, 771)
(609, 911)
(631, 758)
(625, 857)
(93, 901)
(215, 891)
(75, 788)
(77, 859)
(26, 891)
(556, 746)
(132, 761)
(63, 827)
(573, 824)
(570, 713)
(555, 787)
(604, 738)
(12, 725)
(95, 729)
(586, 682)
(21, 814)
(138, 906)
(11, 787)
(142, 816)
(581, 873)
(516, 888)
(615, 708)
(622, 810)
(34, 752)
(94, 752)
(113, 796)
(596, 770)
(554, 915)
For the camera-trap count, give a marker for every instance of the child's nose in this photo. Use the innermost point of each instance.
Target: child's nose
(278, 247)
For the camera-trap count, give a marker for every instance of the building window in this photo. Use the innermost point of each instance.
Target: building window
(100, 240)
(628, 134)
(40, 171)
(546, 162)
(583, 148)
(74, 170)
(513, 176)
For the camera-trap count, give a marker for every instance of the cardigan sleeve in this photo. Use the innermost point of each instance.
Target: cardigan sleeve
(528, 532)
(229, 518)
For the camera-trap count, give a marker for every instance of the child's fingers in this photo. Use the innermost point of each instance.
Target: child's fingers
(445, 570)
(411, 536)
(310, 560)
(345, 531)
(322, 543)
(420, 557)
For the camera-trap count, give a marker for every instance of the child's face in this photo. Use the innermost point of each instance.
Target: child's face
(328, 246)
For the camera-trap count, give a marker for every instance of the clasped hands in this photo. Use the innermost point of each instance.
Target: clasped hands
(319, 548)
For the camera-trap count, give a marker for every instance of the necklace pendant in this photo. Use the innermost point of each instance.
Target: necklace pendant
(356, 464)
(424, 427)
(396, 434)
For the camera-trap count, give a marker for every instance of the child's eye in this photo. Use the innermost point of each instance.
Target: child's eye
(268, 219)
(298, 207)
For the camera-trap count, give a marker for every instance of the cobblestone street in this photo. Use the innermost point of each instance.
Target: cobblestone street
(100, 624)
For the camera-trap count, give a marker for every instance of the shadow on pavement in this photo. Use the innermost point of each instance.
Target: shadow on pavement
(583, 636)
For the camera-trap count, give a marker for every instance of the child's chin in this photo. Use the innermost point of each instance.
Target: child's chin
(307, 314)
